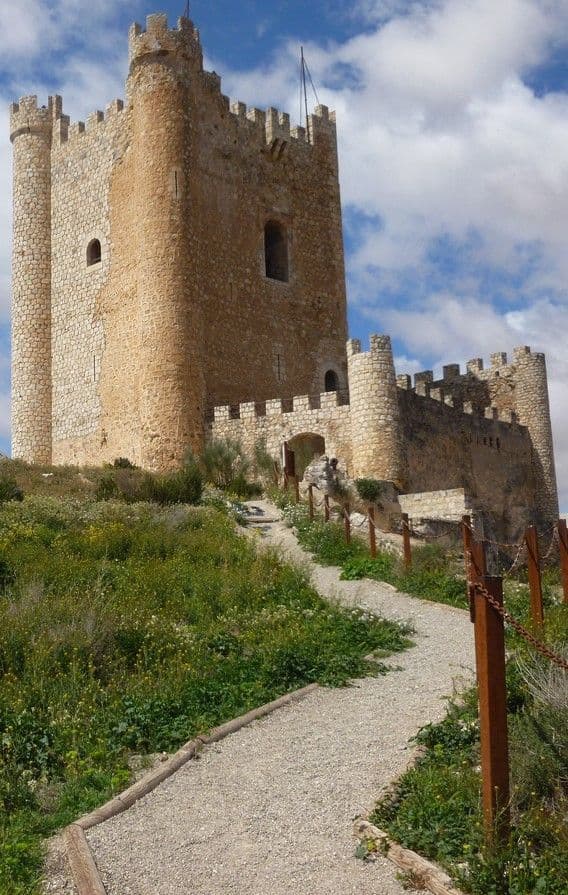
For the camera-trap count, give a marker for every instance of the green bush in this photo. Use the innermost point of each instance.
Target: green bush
(435, 808)
(182, 486)
(369, 490)
(9, 490)
(223, 461)
(123, 463)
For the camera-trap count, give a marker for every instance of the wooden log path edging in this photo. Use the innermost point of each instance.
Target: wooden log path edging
(82, 864)
(423, 872)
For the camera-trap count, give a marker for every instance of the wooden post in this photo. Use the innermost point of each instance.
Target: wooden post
(326, 507)
(347, 523)
(286, 481)
(467, 542)
(563, 545)
(406, 541)
(296, 489)
(311, 501)
(491, 684)
(372, 533)
(535, 580)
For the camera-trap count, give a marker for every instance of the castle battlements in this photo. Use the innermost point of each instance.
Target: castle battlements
(159, 38)
(157, 242)
(26, 117)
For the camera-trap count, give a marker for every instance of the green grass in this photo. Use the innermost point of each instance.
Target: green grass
(435, 808)
(433, 575)
(129, 628)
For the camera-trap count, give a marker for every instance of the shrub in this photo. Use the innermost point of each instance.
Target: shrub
(369, 490)
(9, 490)
(264, 463)
(182, 486)
(223, 461)
(123, 463)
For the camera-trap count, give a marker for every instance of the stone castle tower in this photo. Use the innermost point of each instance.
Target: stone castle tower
(178, 275)
(172, 254)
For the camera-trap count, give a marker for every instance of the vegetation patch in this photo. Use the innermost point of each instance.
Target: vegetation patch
(435, 574)
(435, 808)
(128, 628)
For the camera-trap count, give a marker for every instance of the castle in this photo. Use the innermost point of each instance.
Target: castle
(178, 274)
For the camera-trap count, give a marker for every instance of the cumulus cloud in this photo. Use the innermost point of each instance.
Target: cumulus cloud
(454, 175)
(454, 170)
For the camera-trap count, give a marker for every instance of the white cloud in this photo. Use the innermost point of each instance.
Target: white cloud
(439, 138)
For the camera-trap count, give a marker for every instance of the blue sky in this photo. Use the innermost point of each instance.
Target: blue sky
(453, 130)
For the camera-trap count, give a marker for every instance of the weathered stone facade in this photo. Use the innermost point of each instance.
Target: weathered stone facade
(179, 314)
(179, 254)
(474, 440)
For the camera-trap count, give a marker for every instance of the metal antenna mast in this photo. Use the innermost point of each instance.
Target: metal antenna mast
(305, 92)
(305, 74)
(186, 10)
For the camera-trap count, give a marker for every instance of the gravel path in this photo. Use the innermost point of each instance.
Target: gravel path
(269, 810)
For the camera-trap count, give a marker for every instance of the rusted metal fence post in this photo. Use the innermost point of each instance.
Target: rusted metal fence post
(326, 507)
(535, 580)
(347, 523)
(563, 545)
(372, 532)
(492, 692)
(311, 501)
(406, 541)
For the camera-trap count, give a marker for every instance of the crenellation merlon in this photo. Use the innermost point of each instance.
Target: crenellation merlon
(114, 108)
(277, 125)
(75, 129)
(425, 376)
(94, 119)
(475, 365)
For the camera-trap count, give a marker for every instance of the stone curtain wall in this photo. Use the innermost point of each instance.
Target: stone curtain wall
(447, 506)
(514, 392)
(273, 426)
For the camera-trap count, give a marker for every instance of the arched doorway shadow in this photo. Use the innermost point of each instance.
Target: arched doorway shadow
(306, 447)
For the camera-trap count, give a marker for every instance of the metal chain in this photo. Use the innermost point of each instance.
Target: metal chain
(504, 546)
(516, 561)
(520, 629)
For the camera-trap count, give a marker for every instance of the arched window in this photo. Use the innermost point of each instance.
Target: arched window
(94, 253)
(276, 251)
(331, 381)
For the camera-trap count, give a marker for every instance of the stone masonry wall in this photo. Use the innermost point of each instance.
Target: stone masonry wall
(270, 423)
(449, 505)
(255, 337)
(83, 159)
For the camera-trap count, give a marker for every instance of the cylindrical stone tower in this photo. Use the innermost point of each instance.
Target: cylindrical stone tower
(376, 433)
(533, 410)
(171, 393)
(30, 133)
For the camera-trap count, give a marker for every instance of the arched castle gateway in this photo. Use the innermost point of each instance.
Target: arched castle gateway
(178, 274)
